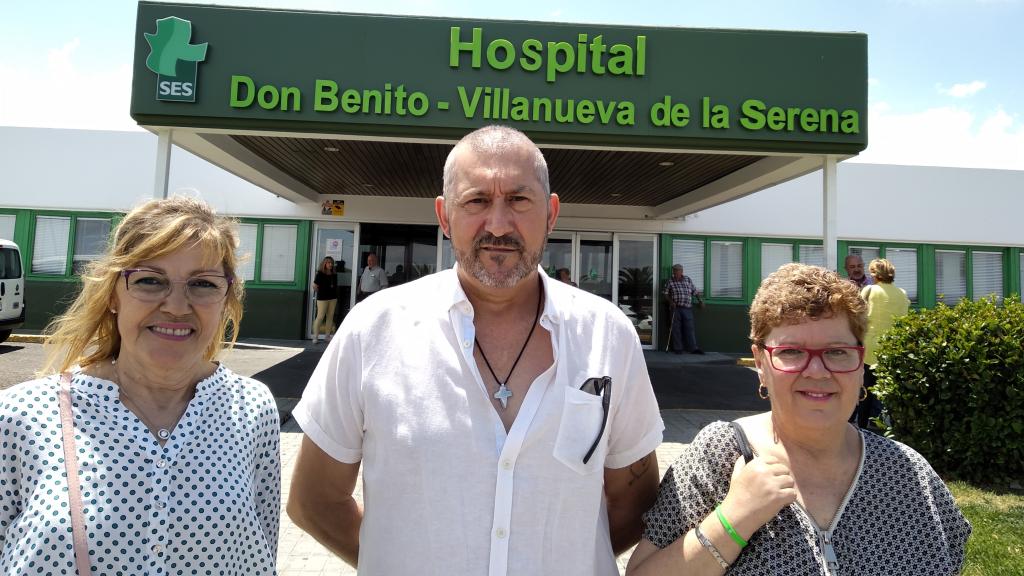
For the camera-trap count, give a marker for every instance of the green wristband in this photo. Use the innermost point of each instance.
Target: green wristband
(729, 529)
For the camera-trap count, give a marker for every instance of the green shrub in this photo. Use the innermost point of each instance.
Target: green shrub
(952, 382)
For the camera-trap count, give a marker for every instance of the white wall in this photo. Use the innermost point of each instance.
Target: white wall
(98, 170)
(884, 202)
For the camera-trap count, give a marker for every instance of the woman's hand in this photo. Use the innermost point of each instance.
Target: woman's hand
(757, 491)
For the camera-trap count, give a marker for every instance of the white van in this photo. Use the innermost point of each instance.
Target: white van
(12, 289)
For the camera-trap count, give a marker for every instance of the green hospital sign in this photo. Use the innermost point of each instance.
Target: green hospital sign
(432, 77)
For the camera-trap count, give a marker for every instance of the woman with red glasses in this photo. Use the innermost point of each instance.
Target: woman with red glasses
(798, 489)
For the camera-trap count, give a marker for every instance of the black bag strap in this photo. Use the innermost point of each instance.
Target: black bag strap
(742, 442)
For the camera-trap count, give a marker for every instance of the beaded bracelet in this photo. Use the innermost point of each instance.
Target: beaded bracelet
(729, 529)
(710, 547)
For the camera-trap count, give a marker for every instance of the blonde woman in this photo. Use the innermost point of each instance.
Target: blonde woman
(886, 302)
(176, 457)
(325, 286)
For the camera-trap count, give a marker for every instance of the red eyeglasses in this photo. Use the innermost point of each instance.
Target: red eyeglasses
(796, 359)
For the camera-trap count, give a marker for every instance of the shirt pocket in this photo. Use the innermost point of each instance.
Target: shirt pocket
(582, 414)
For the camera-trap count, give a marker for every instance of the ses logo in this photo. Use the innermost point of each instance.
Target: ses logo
(174, 59)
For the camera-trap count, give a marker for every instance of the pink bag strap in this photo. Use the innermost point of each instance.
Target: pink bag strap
(67, 425)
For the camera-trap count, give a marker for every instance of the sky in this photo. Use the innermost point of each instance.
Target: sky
(945, 84)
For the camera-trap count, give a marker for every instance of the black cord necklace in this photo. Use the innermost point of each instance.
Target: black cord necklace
(503, 393)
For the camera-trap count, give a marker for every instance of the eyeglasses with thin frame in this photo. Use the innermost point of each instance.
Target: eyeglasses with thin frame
(152, 286)
(796, 359)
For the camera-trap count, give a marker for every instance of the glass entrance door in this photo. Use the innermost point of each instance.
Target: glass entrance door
(594, 263)
(336, 240)
(558, 255)
(636, 297)
(405, 251)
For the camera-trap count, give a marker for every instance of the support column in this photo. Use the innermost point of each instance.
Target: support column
(163, 163)
(829, 204)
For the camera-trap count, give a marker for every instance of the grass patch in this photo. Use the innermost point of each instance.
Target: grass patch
(996, 545)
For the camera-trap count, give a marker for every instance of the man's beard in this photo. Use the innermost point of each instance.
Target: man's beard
(470, 260)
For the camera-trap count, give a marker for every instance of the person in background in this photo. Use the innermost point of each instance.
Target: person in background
(798, 489)
(886, 302)
(565, 276)
(372, 280)
(504, 422)
(682, 294)
(854, 265)
(398, 277)
(177, 457)
(325, 286)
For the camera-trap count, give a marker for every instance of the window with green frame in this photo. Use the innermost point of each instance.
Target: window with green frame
(269, 251)
(7, 223)
(715, 264)
(64, 243)
(970, 272)
(1020, 274)
(776, 252)
(903, 257)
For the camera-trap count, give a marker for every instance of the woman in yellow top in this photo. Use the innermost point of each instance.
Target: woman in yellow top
(886, 302)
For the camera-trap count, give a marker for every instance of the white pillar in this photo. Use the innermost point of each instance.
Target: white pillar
(830, 200)
(163, 163)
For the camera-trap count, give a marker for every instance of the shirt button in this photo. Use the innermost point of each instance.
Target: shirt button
(500, 533)
(161, 463)
(466, 343)
(506, 464)
(157, 549)
(160, 505)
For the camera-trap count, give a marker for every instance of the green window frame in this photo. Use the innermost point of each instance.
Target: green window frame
(30, 220)
(710, 271)
(302, 243)
(970, 252)
(921, 297)
(797, 254)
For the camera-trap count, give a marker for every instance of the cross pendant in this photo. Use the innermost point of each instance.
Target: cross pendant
(503, 394)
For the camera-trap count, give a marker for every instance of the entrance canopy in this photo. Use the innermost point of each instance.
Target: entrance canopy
(655, 122)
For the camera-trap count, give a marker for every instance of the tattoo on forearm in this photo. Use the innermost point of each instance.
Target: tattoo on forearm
(639, 468)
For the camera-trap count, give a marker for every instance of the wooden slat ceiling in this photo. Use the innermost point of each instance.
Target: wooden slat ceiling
(410, 170)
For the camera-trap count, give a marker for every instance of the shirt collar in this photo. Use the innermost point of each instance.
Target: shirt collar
(454, 297)
(98, 387)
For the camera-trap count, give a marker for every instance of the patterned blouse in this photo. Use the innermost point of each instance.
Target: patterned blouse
(898, 517)
(207, 502)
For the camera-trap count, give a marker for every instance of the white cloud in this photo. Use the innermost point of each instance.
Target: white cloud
(874, 82)
(56, 92)
(945, 136)
(963, 90)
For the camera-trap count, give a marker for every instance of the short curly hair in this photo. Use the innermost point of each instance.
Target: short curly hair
(797, 292)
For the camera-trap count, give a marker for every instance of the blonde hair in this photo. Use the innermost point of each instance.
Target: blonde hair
(87, 332)
(323, 265)
(882, 270)
(797, 292)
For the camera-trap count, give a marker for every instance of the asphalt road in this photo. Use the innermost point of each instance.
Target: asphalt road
(711, 382)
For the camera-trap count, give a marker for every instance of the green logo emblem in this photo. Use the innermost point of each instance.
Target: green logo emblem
(174, 59)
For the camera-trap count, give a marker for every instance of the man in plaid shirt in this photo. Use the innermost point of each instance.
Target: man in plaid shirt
(681, 292)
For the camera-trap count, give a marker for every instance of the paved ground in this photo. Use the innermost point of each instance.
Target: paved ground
(692, 391)
(300, 555)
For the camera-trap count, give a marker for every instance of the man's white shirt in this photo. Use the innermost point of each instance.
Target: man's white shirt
(446, 491)
(373, 279)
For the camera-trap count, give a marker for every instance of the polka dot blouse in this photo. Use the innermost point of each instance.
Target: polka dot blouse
(207, 502)
(899, 517)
